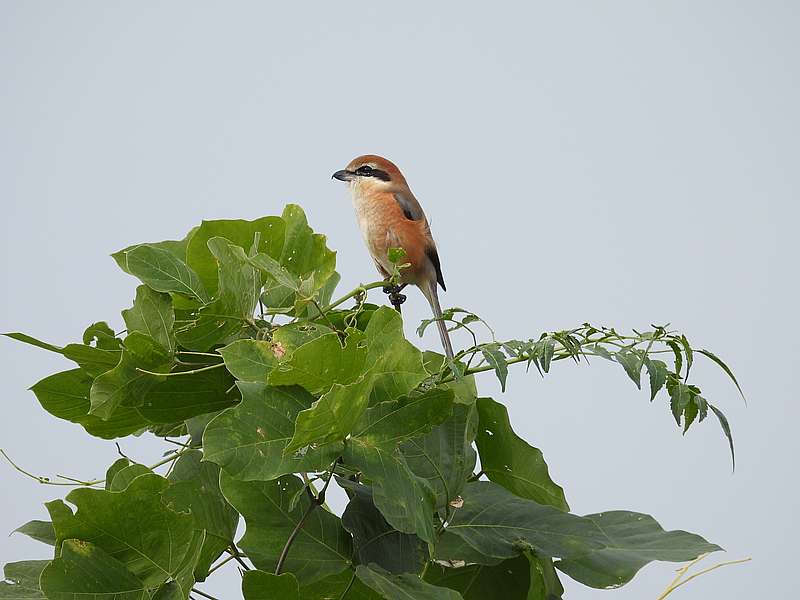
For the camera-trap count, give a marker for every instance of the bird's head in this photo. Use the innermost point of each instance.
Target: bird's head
(371, 173)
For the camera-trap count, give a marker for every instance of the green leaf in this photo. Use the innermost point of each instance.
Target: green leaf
(22, 580)
(396, 421)
(41, 531)
(632, 363)
(182, 397)
(726, 429)
(598, 550)
(181, 584)
(126, 384)
(405, 586)
(334, 587)
(84, 571)
(100, 335)
(445, 458)
(66, 395)
(497, 360)
(322, 546)
(687, 349)
(724, 367)
(464, 388)
(195, 488)
(125, 476)
(259, 585)
(680, 395)
(378, 542)
(510, 461)
(269, 230)
(94, 361)
(509, 580)
(152, 314)
(162, 271)
(657, 371)
(133, 526)
(254, 360)
(332, 417)
(27, 339)
(631, 540)
(676, 350)
(406, 502)
(545, 584)
(235, 302)
(323, 362)
(248, 441)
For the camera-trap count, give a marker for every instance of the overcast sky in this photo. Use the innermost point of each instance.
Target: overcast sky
(624, 163)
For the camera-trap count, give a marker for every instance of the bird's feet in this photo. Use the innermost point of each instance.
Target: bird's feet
(395, 297)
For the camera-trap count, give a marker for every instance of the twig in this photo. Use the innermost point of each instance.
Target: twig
(234, 552)
(315, 501)
(360, 289)
(203, 594)
(221, 564)
(679, 581)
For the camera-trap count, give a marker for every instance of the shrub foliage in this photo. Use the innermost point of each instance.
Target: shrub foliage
(268, 391)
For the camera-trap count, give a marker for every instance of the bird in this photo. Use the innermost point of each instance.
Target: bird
(389, 216)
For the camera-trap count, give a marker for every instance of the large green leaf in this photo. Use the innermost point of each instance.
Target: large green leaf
(84, 571)
(322, 546)
(66, 395)
(445, 458)
(631, 540)
(378, 542)
(268, 230)
(259, 585)
(180, 586)
(599, 550)
(406, 586)
(396, 421)
(126, 384)
(185, 396)
(405, 501)
(162, 271)
(22, 580)
(322, 362)
(134, 526)
(509, 580)
(510, 461)
(152, 314)
(195, 488)
(333, 587)
(394, 368)
(254, 360)
(234, 303)
(248, 441)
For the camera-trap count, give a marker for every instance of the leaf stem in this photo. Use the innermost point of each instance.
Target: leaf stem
(360, 289)
(179, 373)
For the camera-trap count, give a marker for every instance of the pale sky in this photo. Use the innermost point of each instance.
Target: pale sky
(624, 163)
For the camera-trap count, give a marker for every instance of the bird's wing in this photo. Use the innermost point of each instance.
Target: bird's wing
(433, 256)
(411, 208)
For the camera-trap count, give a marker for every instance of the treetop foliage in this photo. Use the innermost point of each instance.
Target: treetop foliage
(268, 390)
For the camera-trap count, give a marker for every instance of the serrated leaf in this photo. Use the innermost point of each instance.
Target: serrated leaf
(376, 541)
(152, 314)
(687, 350)
(676, 350)
(726, 429)
(406, 586)
(133, 526)
(22, 580)
(497, 360)
(445, 458)
(260, 585)
(248, 441)
(322, 546)
(680, 395)
(84, 571)
(632, 363)
(510, 461)
(657, 371)
(724, 367)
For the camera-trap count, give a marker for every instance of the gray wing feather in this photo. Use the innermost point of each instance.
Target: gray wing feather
(411, 208)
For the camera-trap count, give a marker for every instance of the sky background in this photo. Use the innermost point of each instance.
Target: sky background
(624, 163)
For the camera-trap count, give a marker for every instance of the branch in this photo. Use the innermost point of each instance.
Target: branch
(315, 501)
(679, 580)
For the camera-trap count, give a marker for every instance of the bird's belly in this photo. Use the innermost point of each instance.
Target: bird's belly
(375, 229)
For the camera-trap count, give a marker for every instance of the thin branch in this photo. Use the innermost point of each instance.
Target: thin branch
(315, 501)
(360, 289)
(222, 563)
(676, 583)
(234, 552)
(203, 594)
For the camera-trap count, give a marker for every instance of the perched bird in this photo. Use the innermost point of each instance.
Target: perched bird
(389, 216)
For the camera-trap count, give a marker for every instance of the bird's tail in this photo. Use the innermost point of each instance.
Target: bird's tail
(432, 296)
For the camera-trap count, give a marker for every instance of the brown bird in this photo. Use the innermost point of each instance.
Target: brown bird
(389, 216)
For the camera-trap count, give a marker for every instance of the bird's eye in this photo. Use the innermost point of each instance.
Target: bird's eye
(365, 170)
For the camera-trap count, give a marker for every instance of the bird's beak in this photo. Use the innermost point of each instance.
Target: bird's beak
(343, 175)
